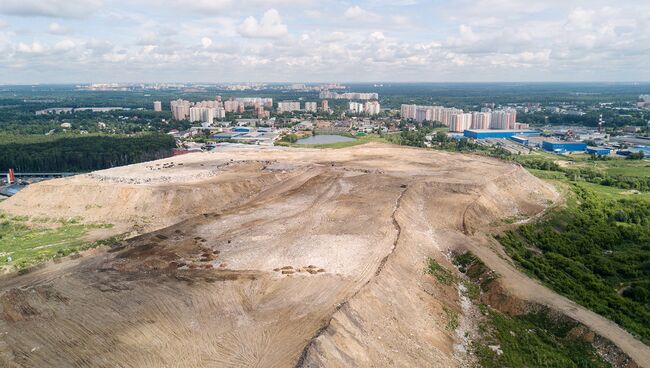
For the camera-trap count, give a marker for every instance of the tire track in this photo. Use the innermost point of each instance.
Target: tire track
(398, 202)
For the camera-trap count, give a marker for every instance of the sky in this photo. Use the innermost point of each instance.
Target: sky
(211, 41)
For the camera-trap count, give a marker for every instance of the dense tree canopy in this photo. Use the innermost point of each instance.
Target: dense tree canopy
(80, 152)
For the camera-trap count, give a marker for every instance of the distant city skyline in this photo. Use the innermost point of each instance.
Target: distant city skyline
(222, 41)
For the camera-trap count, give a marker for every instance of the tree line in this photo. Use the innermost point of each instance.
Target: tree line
(75, 153)
(596, 252)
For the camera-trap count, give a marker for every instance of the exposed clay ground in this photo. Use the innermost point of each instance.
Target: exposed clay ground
(268, 258)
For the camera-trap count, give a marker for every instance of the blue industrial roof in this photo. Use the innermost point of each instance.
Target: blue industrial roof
(564, 146)
(494, 133)
(598, 151)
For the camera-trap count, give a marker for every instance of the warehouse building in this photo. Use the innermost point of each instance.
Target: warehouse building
(494, 133)
(520, 139)
(599, 151)
(561, 146)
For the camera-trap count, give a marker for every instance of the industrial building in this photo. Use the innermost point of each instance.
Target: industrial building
(490, 133)
(520, 140)
(561, 146)
(226, 135)
(242, 129)
(600, 151)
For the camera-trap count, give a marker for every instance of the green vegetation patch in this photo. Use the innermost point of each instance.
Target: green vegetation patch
(27, 243)
(452, 318)
(442, 274)
(531, 340)
(596, 251)
(535, 339)
(290, 141)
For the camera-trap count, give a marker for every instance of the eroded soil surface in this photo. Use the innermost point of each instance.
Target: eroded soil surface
(260, 258)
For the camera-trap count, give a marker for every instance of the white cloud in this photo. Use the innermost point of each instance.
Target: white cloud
(33, 48)
(204, 5)
(50, 8)
(57, 29)
(64, 45)
(365, 40)
(270, 26)
(359, 14)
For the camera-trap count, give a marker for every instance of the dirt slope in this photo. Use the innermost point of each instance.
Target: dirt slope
(269, 258)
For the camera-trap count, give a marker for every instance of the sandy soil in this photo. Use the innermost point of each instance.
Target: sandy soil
(262, 258)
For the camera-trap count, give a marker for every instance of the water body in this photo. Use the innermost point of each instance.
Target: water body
(325, 139)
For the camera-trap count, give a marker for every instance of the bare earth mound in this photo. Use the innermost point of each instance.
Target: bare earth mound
(260, 258)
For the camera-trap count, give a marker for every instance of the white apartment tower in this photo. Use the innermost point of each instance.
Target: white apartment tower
(288, 106)
(311, 106)
(481, 120)
(180, 109)
(355, 107)
(372, 108)
(459, 122)
(503, 119)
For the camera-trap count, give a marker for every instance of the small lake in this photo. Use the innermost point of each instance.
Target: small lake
(325, 139)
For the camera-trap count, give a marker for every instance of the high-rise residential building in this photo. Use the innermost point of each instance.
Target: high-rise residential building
(325, 106)
(503, 119)
(157, 106)
(408, 111)
(233, 105)
(311, 106)
(207, 115)
(486, 119)
(203, 114)
(195, 114)
(219, 112)
(180, 109)
(355, 107)
(348, 96)
(459, 122)
(253, 101)
(261, 113)
(428, 113)
(481, 120)
(288, 106)
(423, 113)
(372, 108)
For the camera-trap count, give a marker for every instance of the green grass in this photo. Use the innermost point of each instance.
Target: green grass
(29, 243)
(443, 275)
(452, 318)
(534, 339)
(548, 175)
(531, 340)
(360, 140)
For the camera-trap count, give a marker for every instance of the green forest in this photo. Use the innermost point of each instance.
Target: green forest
(73, 153)
(596, 251)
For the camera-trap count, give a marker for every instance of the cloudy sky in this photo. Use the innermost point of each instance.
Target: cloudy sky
(61, 41)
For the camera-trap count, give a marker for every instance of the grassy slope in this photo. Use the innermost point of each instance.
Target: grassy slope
(531, 340)
(360, 140)
(534, 339)
(33, 241)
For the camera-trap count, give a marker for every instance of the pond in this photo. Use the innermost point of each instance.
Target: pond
(325, 139)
